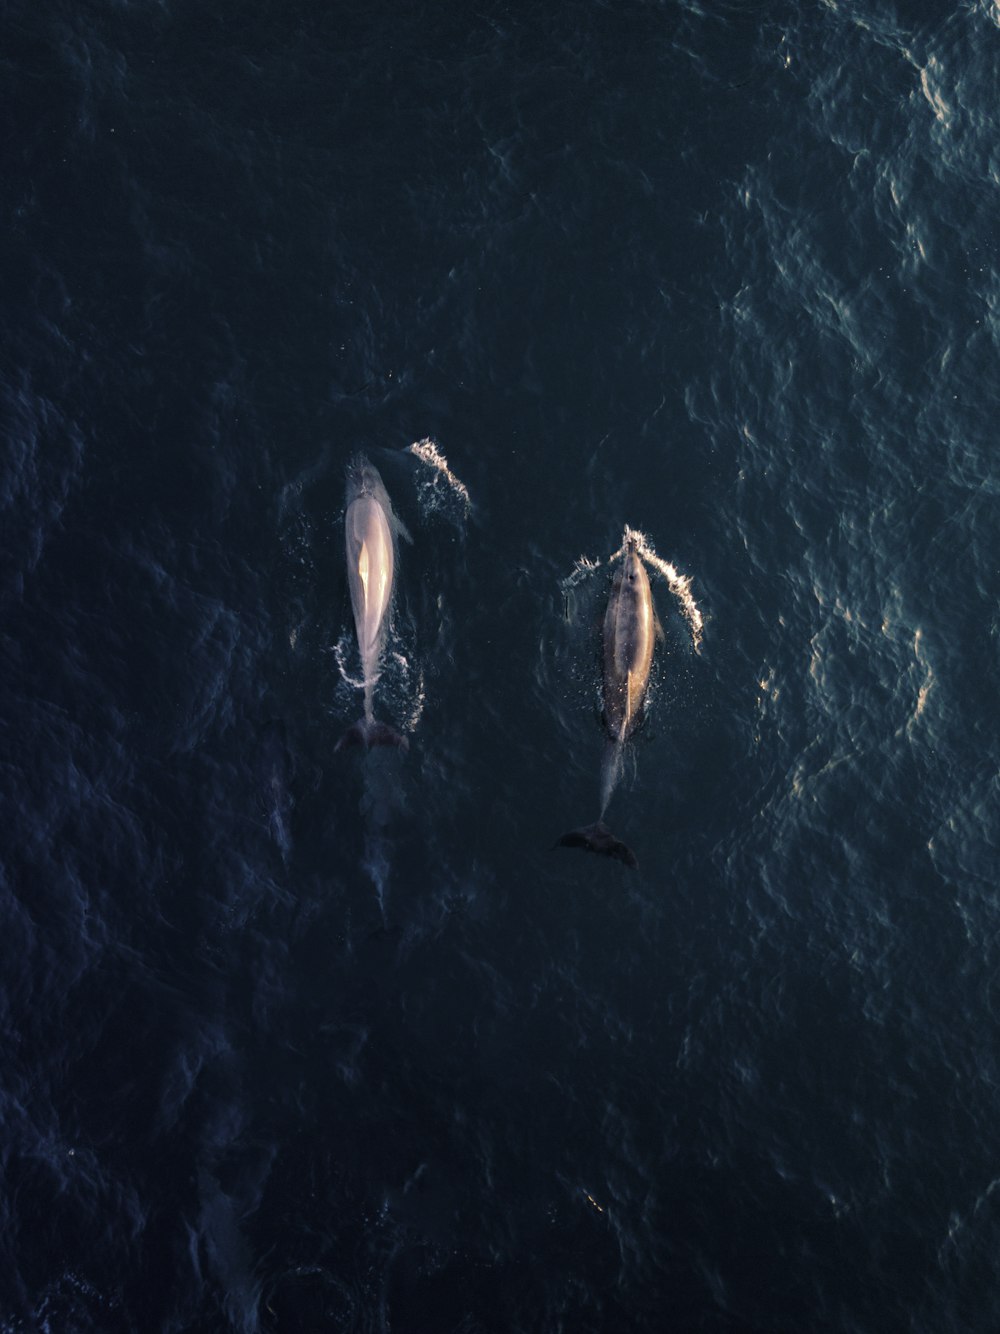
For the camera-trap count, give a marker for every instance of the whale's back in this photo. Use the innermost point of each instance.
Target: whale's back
(629, 632)
(370, 566)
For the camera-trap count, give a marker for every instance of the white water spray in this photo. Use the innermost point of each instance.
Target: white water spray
(582, 570)
(441, 476)
(343, 646)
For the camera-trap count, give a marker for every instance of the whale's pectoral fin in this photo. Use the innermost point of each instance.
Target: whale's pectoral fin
(367, 734)
(402, 529)
(599, 838)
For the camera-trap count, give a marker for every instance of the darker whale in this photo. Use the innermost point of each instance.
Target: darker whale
(627, 639)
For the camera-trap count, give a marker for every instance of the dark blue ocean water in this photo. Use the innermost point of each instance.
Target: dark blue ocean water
(304, 1041)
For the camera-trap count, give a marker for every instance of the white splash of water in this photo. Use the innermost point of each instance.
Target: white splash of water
(582, 569)
(428, 453)
(344, 644)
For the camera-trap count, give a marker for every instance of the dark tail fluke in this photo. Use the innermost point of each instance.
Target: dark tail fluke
(599, 838)
(368, 734)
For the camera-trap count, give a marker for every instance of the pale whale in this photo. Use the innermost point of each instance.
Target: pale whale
(628, 634)
(370, 529)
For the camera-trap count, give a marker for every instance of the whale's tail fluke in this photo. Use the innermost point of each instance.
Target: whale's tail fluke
(599, 838)
(367, 732)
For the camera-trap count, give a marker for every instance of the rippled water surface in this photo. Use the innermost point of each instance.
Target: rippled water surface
(298, 1040)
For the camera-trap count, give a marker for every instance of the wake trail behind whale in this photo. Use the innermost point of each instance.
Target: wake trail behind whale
(377, 804)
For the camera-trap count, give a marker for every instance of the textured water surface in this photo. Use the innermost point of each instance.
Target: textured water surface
(301, 1041)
